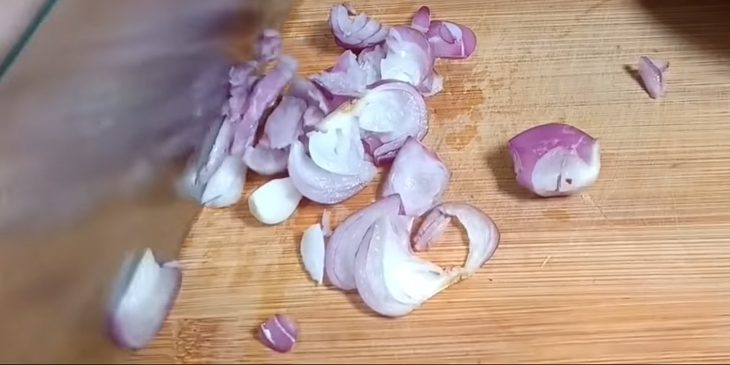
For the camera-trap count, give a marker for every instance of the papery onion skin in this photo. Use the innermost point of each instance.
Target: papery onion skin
(356, 32)
(320, 185)
(483, 233)
(279, 333)
(345, 241)
(555, 159)
(651, 71)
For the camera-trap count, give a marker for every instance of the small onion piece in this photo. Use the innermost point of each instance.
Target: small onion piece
(408, 56)
(225, 187)
(421, 19)
(388, 114)
(279, 333)
(326, 223)
(264, 95)
(266, 161)
(345, 241)
(268, 47)
(141, 307)
(346, 78)
(320, 185)
(651, 72)
(390, 279)
(418, 176)
(451, 40)
(275, 201)
(311, 248)
(481, 230)
(355, 31)
(336, 145)
(284, 124)
(555, 159)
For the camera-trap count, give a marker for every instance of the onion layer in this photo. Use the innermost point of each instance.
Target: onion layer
(481, 230)
(355, 31)
(418, 176)
(279, 333)
(451, 40)
(311, 248)
(320, 185)
(345, 241)
(651, 72)
(142, 306)
(555, 159)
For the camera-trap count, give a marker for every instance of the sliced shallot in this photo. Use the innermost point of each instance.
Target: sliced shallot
(418, 176)
(345, 241)
(275, 201)
(225, 187)
(651, 72)
(268, 47)
(266, 161)
(451, 40)
(555, 159)
(388, 114)
(346, 78)
(336, 145)
(408, 56)
(311, 248)
(263, 96)
(355, 31)
(481, 230)
(279, 333)
(421, 19)
(143, 304)
(284, 124)
(390, 279)
(320, 185)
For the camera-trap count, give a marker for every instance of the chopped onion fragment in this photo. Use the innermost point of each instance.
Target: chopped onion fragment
(284, 124)
(268, 47)
(266, 161)
(320, 185)
(651, 72)
(279, 333)
(141, 307)
(481, 230)
(225, 187)
(555, 159)
(421, 19)
(418, 176)
(275, 201)
(345, 241)
(451, 40)
(311, 249)
(355, 31)
(390, 279)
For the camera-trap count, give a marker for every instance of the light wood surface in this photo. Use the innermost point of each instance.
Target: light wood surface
(636, 269)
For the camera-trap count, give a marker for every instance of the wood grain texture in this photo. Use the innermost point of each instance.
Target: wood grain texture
(633, 270)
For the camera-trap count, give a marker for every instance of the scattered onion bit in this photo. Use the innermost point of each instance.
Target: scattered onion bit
(555, 159)
(279, 333)
(651, 72)
(141, 305)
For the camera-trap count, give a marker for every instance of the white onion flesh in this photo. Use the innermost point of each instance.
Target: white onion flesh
(555, 159)
(142, 306)
(275, 201)
(418, 176)
(312, 251)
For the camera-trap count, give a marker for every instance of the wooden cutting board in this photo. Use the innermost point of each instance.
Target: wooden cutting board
(636, 269)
